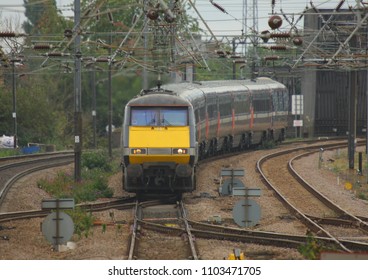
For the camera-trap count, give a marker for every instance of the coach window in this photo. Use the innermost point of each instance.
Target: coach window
(276, 101)
(225, 105)
(261, 103)
(285, 100)
(212, 106)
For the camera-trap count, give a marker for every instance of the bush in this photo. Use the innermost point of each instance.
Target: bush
(93, 186)
(59, 187)
(96, 160)
(83, 221)
(311, 249)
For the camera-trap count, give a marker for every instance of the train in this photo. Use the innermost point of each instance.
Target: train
(166, 130)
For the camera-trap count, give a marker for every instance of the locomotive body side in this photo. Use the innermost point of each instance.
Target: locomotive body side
(269, 110)
(237, 114)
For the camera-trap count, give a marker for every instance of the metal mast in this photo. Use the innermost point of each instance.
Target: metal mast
(77, 94)
(250, 30)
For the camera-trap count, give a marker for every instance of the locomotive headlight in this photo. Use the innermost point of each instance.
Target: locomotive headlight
(138, 151)
(180, 151)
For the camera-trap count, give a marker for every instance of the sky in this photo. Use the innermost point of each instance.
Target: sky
(219, 22)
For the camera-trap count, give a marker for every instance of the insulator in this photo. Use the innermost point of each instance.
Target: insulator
(56, 54)
(87, 13)
(42, 47)
(102, 59)
(88, 58)
(340, 4)
(134, 19)
(169, 19)
(14, 60)
(152, 14)
(222, 53)
(265, 36)
(7, 34)
(240, 61)
(280, 35)
(218, 7)
(275, 22)
(68, 33)
(109, 14)
(271, 58)
(298, 41)
(278, 48)
(314, 8)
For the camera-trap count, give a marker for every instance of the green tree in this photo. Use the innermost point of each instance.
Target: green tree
(43, 18)
(45, 95)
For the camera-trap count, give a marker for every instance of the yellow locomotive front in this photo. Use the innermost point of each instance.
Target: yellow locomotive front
(159, 148)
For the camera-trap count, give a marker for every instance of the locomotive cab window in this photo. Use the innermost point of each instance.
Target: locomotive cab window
(159, 116)
(143, 116)
(174, 117)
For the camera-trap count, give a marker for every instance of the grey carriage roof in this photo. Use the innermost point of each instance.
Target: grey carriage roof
(193, 89)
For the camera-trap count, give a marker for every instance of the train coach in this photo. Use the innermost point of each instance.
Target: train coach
(166, 130)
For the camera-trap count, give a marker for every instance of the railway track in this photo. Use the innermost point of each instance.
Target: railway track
(304, 201)
(15, 168)
(208, 231)
(155, 216)
(119, 204)
(173, 231)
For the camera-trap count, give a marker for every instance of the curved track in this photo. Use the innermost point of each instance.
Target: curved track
(202, 230)
(302, 199)
(17, 167)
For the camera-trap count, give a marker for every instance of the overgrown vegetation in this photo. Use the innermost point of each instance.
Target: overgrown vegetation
(83, 221)
(96, 160)
(311, 250)
(353, 180)
(94, 184)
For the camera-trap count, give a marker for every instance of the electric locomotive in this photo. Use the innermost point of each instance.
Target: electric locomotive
(159, 145)
(166, 131)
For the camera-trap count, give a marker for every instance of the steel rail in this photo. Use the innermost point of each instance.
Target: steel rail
(356, 220)
(315, 227)
(188, 231)
(134, 233)
(16, 177)
(207, 231)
